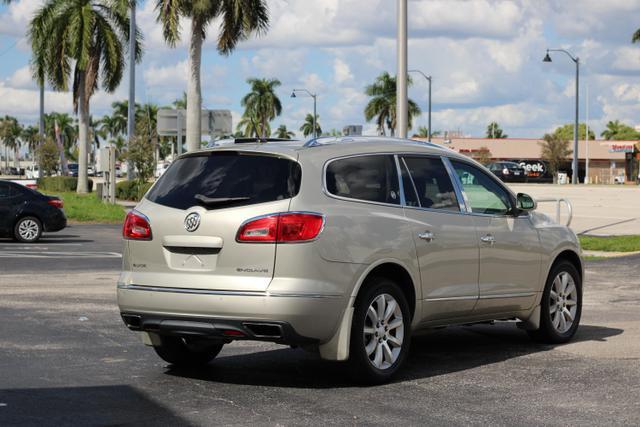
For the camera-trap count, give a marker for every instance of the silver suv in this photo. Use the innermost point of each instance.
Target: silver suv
(345, 246)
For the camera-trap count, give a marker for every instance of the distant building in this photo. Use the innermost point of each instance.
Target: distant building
(352, 130)
(609, 161)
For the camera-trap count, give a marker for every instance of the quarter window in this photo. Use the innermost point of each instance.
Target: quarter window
(485, 195)
(371, 178)
(430, 180)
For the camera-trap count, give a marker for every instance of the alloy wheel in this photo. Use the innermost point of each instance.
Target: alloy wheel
(383, 331)
(563, 302)
(28, 229)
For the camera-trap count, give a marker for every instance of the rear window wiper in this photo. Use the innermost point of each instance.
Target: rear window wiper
(210, 201)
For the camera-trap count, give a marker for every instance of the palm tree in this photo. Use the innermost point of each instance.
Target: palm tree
(423, 132)
(382, 105)
(613, 129)
(307, 127)
(91, 36)
(61, 128)
(262, 102)
(10, 132)
(495, 132)
(239, 19)
(31, 136)
(283, 133)
(250, 126)
(181, 103)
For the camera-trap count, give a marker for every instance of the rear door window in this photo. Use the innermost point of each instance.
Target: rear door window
(226, 178)
(371, 178)
(430, 180)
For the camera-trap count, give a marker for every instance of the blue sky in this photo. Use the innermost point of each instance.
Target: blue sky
(484, 56)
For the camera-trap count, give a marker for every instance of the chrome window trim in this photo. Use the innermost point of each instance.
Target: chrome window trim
(413, 184)
(457, 185)
(403, 200)
(460, 210)
(351, 199)
(195, 291)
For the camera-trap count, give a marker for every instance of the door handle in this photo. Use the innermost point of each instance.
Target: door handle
(488, 239)
(427, 236)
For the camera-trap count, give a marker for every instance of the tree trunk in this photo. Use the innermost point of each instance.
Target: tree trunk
(16, 158)
(83, 136)
(194, 94)
(63, 159)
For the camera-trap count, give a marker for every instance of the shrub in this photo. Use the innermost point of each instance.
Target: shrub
(132, 190)
(60, 183)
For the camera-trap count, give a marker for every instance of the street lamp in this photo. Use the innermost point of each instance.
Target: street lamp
(402, 107)
(315, 97)
(575, 59)
(429, 116)
(131, 113)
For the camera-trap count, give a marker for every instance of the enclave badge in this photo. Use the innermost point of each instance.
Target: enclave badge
(192, 222)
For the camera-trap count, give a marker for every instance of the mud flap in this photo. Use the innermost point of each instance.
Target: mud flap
(532, 323)
(338, 347)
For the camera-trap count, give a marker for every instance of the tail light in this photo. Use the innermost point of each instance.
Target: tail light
(285, 227)
(136, 227)
(56, 203)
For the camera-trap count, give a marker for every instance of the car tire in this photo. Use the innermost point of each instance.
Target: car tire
(379, 346)
(561, 305)
(27, 229)
(186, 352)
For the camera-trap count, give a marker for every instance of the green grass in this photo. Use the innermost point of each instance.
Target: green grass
(611, 243)
(87, 208)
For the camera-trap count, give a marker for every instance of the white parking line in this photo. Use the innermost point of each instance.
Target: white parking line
(33, 254)
(32, 247)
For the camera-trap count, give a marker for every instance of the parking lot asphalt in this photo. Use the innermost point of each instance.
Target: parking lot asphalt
(67, 359)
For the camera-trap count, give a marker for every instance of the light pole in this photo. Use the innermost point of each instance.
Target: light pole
(315, 98)
(402, 108)
(429, 116)
(131, 113)
(547, 58)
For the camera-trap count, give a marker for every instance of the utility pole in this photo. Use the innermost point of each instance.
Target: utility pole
(131, 116)
(402, 113)
(586, 139)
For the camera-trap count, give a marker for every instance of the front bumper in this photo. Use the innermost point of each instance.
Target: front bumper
(303, 318)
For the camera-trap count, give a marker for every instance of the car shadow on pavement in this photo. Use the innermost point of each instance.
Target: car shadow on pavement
(437, 353)
(72, 406)
(48, 240)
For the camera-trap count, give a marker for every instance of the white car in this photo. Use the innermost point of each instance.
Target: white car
(33, 172)
(161, 168)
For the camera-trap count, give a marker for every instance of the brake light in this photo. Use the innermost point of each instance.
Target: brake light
(136, 227)
(286, 227)
(56, 203)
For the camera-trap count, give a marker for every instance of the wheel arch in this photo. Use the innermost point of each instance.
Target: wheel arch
(570, 256)
(396, 272)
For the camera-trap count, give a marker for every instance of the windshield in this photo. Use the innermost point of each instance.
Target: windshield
(226, 178)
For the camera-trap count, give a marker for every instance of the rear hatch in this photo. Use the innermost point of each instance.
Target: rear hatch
(195, 211)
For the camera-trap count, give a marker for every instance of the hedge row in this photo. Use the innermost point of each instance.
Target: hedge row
(132, 190)
(60, 183)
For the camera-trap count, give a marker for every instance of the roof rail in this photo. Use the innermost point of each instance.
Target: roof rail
(326, 140)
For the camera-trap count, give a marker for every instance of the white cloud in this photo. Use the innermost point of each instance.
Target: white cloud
(341, 71)
(167, 76)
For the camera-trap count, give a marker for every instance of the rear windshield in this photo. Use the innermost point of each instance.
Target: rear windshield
(226, 178)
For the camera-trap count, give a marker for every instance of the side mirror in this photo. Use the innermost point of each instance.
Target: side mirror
(525, 202)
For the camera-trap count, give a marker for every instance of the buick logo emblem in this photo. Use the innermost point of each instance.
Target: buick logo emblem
(192, 221)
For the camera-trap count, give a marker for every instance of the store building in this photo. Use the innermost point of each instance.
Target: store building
(609, 161)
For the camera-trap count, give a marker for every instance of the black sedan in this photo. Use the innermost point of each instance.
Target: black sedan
(26, 213)
(508, 171)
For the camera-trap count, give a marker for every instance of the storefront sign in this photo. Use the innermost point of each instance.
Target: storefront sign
(621, 148)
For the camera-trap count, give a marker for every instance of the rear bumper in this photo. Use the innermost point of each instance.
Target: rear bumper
(56, 221)
(304, 318)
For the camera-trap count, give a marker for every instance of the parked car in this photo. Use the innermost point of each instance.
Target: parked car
(72, 169)
(344, 245)
(508, 171)
(33, 172)
(161, 168)
(25, 213)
